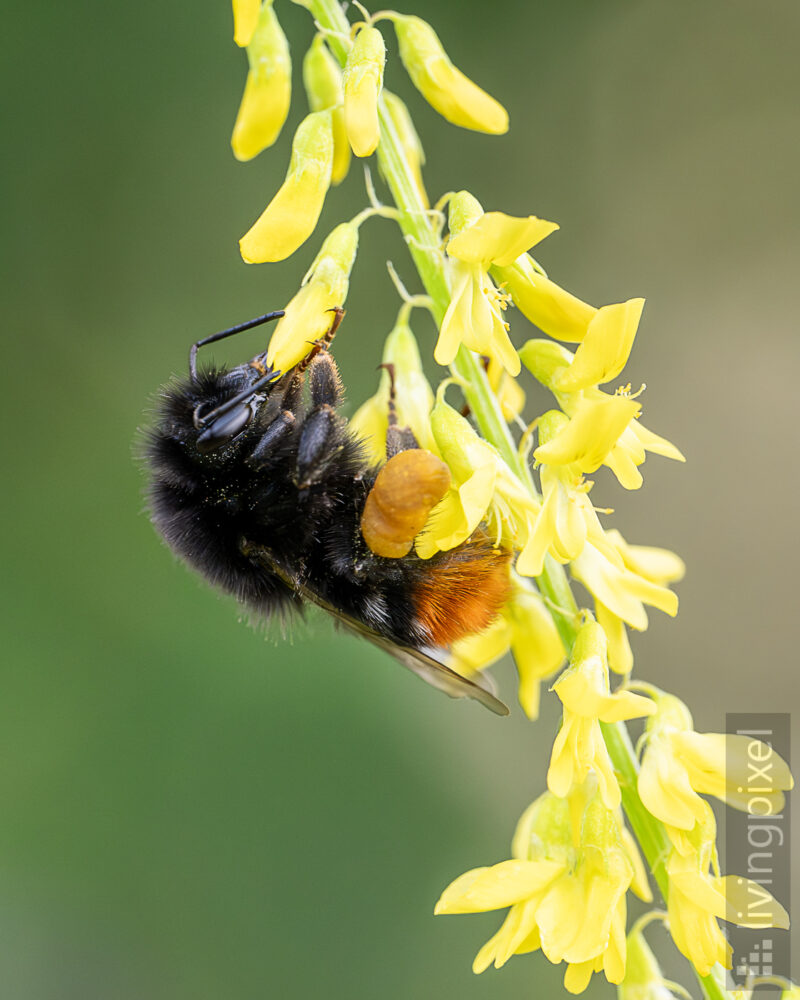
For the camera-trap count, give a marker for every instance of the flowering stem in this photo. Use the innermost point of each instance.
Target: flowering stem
(425, 248)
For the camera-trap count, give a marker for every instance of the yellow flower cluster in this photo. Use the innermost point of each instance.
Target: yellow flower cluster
(566, 884)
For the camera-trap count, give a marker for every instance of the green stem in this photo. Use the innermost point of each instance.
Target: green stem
(426, 251)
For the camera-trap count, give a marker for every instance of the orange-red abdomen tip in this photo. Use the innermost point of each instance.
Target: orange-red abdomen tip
(405, 491)
(463, 590)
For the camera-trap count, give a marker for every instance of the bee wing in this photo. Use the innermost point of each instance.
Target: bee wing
(417, 660)
(432, 671)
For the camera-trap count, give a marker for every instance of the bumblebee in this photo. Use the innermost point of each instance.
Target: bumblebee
(257, 482)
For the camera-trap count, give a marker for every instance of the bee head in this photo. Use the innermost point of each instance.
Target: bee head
(219, 423)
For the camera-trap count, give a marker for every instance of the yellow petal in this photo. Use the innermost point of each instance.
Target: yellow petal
(665, 790)
(555, 311)
(291, 216)
(369, 423)
(443, 86)
(605, 349)
(535, 644)
(622, 591)
(749, 904)
(501, 885)
(475, 652)
(268, 90)
(620, 656)
(591, 433)
(498, 238)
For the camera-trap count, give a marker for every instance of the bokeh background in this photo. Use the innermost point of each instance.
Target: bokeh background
(192, 809)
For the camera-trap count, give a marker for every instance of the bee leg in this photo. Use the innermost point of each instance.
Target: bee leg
(280, 427)
(325, 383)
(320, 443)
(397, 438)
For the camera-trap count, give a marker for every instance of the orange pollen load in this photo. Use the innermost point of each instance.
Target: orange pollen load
(405, 491)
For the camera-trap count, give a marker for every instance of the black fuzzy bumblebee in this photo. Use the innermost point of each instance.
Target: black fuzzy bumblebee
(257, 482)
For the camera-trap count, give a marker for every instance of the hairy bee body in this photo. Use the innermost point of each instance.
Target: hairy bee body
(262, 488)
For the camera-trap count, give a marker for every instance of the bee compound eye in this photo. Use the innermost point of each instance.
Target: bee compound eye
(224, 428)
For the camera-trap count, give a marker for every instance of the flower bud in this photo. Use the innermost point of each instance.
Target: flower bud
(413, 397)
(363, 80)
(322, 79)
(268, 90)
(290, 218)
(308, 315)
(443, 86)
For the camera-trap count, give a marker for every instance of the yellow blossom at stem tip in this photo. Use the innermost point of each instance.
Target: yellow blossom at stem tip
(291, 216)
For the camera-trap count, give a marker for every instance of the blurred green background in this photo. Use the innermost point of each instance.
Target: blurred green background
(192, 809)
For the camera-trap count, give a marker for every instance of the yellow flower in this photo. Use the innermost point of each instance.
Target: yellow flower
(567, 516)
(601, 568)
(443, 86)
(549, 363)
(525, 628)
(413, 396)
(679, 765)
(322, 78)
(605, 349)
(605, 335)
(475, 314)
(363, 80)
(697, 899)
(659, 566)
(400, 121)
(268, 90)
(584, 692)
(245, 18)
(555, 311)
(484, 489)
(290, 218)
(308, 316)
(565, 886)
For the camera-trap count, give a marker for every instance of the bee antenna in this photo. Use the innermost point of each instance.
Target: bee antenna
(239, 328)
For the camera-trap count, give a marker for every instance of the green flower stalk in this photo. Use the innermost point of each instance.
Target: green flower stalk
(604, 821)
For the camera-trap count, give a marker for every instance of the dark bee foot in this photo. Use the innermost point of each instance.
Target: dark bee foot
(320, 444)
